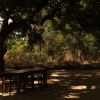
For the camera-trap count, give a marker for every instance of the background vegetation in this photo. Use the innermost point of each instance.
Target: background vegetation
(54, 47)
(49, 31)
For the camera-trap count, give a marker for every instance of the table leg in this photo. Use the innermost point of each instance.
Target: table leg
(45, 77)
(18, 84)
(32, 80)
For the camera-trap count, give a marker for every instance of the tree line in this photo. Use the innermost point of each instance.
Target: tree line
(79, 18)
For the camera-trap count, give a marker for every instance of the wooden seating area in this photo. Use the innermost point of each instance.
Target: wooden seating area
(21, 78)
(7, 83)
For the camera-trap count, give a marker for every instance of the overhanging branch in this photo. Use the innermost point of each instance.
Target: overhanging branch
(50, 15)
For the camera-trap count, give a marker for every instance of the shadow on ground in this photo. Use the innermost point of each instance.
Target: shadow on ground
(65, 85)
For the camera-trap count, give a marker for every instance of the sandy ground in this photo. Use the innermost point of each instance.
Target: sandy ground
(65, 85)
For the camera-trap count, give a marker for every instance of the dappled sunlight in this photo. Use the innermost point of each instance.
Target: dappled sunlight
(54, 75)
(61, 73)
(84, 78)
(78, 87)
(84, 75)
(93, 87)
(77, 95)
(67, 82)
(7, 94)
(72, 96)
(75, 84)
(65, 85)
(77, 74)
(57, 77)
(53, 81)
(98, 73)
(0, 94)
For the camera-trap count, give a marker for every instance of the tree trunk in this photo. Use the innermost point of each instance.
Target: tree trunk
(2, 53)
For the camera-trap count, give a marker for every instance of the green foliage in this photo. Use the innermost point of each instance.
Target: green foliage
(44, 30)
(16, 43)
(35, 37)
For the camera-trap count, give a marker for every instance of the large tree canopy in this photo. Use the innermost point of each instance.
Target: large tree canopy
(21, 15)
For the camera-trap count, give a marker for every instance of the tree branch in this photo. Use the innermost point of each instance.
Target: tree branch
(51, 15)
(7, 29)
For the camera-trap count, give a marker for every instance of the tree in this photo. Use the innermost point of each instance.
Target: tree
(22, 13)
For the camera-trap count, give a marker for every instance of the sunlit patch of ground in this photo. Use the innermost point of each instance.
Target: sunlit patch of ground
(78, 82)
(78, 87)
(9, 94)
(93, 87)
(71, 96)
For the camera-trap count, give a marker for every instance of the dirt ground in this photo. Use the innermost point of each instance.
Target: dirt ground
(65, 85)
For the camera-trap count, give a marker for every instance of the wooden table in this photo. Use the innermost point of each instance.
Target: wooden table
(22, 73)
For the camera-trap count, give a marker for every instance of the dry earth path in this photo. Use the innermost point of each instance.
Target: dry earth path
(65, 85)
